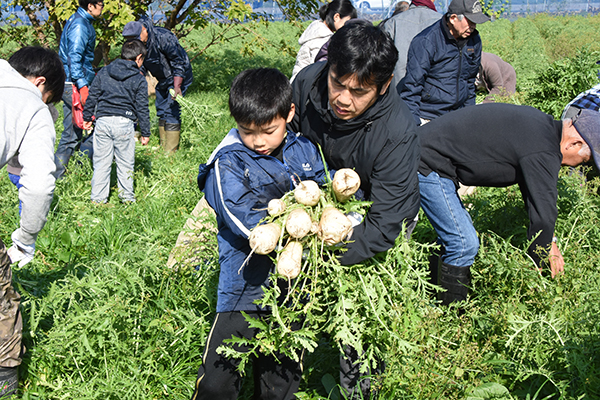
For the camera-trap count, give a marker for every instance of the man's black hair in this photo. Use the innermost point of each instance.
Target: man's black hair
(259, 96)
(84, 3)
(365, 50)
(32, 62)
(342, 7)
(133, 48)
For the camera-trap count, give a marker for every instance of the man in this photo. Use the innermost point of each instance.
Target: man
(496, 76)
(346, 107)
(76, 52)
(168, 62)
(498, 145)
(30, 79)
(404, 27)
(443, 61)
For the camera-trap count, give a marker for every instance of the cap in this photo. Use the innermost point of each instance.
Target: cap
(132, 29)
(470, 9)
(587, 123)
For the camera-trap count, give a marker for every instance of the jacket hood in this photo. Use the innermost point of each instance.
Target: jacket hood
(121, 69)
(11, 79)
(320, 99)
(317, 29)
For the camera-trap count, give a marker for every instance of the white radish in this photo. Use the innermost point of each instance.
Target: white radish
(290, 260)
(334, 226)
(345, 183)
(264, 238)
(276, 207)
(298, 223)
(307, 193)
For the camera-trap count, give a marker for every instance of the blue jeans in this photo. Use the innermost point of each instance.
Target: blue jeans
(15, 179)
(452, 222)
(71, 135)
(113, 137)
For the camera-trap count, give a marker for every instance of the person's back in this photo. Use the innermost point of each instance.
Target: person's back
(118, 97)
(255, 163)
(403, 27)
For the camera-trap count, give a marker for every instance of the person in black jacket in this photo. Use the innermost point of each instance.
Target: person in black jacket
(118, 97)
(443, 61)
(345, 106)
(169, 63)
(498, 145)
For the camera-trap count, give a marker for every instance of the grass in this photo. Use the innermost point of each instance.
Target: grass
(106, 319)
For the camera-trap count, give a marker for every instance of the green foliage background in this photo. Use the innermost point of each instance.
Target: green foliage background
(106, 319)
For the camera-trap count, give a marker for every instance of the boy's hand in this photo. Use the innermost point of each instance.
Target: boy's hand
(87, 125)
(144, 140)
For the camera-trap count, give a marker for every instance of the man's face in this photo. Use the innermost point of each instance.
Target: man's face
(348, 98)
(144, 35)
(460, 29)
(95, 10)
(264, 139)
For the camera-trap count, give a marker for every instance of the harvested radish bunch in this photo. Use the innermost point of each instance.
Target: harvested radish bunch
(298, 223)
(334, 226)
(307, 193)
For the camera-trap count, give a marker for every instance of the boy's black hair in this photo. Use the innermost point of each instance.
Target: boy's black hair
(84, 3)
(133, 48)
(259, 96)
(32, 62)
(365, 50)
(342, 7)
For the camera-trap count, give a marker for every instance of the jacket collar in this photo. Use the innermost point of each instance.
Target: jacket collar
(84, 14)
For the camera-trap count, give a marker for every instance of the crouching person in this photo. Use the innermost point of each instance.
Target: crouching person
(257, 162)
(498, 145)
(32, 78)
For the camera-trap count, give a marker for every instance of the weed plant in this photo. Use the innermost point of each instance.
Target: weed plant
(106, 319)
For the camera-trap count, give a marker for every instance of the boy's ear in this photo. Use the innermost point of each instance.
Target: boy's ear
(291, 113)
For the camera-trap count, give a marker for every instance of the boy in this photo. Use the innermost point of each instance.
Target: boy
(255, 163)
(118, 96)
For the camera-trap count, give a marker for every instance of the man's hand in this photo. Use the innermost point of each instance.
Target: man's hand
(177, 81)
(83, 94)
(21, 253)
(144, 140)
(557, 263)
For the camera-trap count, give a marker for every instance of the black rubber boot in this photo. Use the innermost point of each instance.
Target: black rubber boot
(9, 382)
(456, 281)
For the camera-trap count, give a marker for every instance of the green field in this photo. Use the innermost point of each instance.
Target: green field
(106, 319)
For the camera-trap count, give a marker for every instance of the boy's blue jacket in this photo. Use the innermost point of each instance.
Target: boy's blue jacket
(238, 184)
(120, 89)
(76, 49)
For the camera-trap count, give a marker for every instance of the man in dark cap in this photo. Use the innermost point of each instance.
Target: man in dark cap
(498, 145)
(443, 61)
(168, 62)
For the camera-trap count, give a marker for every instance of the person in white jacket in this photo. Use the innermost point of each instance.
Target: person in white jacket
(32, 78)
(333, 16)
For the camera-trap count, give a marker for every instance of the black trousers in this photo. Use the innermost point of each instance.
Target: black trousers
(218, 377)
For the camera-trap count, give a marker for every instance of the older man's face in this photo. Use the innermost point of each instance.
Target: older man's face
(461, 29)
(347, 97)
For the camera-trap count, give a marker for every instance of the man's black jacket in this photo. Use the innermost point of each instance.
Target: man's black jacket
(380, 144)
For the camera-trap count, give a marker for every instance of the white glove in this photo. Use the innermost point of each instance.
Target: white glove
(20, 252)
(355, 218)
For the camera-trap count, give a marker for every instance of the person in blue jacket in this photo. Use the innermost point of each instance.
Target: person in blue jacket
(442, 63)
(169, 63)
(76, 51)
(257, 162)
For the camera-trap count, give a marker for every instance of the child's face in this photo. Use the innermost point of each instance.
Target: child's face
(265, 138)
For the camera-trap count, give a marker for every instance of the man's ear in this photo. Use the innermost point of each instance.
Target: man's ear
(290, 116)
(386, 85)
